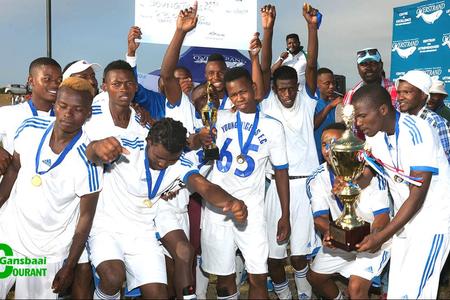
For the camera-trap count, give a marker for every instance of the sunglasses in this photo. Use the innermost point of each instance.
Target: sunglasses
(363, 53)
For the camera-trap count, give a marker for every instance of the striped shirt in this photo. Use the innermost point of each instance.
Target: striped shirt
(441, 125)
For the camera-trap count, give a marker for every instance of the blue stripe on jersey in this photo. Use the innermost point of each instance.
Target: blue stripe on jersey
(138, 120)
(34, 123)
(91, 168)
(381, 211)
(134, 144)
(383, 259)
(170, 105)
(310, 178)
(185, 161)
(432, 170)
(431, 261)
(411, 124)
(382, 183)
(188, 174)
(413, 133)
(282, 167)
(321, 212)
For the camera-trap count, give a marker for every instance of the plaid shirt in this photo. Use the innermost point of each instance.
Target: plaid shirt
(442, 126)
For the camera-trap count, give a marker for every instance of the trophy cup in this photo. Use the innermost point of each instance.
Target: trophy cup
(209, 118)
(347, 161)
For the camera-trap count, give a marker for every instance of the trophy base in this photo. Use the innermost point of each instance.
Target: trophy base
(346, 239)
(211, 154)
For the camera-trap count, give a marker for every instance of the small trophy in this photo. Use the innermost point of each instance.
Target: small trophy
(347, 161)
(209, 119)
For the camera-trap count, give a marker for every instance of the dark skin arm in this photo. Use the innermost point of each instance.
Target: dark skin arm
(322, 223)
(9, 178)
(215, 195)
(105, 150)
(64, 277)
(187, 20)
(310, 15)
(257, 76)
(5, 160)
(282, 182)
(268, 15)
(409, 208)
(320, 116)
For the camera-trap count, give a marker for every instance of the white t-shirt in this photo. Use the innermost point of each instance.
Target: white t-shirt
(418, 149)
(183, 111)
(373, 201)
(246, 181)
(40, 221)
(121, 206)
(298, 62)
(11, 117)
(298, 123)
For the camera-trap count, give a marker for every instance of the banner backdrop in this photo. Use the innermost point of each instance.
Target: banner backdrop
(421, 39)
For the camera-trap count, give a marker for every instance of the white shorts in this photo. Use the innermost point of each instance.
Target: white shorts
(364, 264)
(142, 255)
(304, 239)
(31, 287)
(220, 242)
(181, 221)
(416, 263)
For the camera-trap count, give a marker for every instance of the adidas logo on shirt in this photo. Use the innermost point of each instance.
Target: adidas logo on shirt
(48, 162)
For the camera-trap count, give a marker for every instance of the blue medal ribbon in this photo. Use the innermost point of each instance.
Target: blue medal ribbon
(224, 100)
(34, 110)
(242, 146)
(338, 200)
(152, 192)
(386, 140)
(61, 156)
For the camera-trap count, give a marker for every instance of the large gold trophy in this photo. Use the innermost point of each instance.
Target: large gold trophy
(209, 119)
(347, 161)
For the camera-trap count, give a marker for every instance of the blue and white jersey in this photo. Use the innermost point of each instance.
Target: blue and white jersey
(40, 220)
(246, 181)
(373, 201)
(183, 111)
(416, 147)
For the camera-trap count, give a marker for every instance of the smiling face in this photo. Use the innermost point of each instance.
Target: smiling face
(72, 108)
(215, 72)
(293, 45)
(410, 98)
(44, 81)
(121, 87)
(370, 71)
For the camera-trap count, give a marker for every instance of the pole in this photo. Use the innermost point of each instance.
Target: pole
(49, 28)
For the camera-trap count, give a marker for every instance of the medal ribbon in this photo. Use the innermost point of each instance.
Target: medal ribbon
(34, 110)
(152, 192)
(242, 146)
(61, 156)
(224, 100)
(338, 200)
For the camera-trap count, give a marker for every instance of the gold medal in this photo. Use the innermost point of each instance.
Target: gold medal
(240, 159)
(148, 203)
(36, 180)
(398, 179)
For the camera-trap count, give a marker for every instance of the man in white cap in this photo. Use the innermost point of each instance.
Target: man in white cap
(413, 91)
(82, 69)
(437, 97)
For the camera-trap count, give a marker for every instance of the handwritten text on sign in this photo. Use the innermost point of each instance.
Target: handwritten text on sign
(221, 24)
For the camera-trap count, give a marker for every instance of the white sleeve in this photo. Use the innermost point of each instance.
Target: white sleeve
(277, 146)
(317, 195)
(379, 198)
(88, 176)
(131, 60)
(4, 121)
(187, 168)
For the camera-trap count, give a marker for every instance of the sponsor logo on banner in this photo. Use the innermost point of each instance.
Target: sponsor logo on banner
(429, 45)
(446, 40)
(230, 61)
(431, 12)
(403, 19)
(405, 48)
(433, 71)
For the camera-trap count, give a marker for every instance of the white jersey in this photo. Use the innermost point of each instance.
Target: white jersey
(11, 117)
(416, 148)
(373, 201)
(123, 205)
(298, 62)
(298, 123)
(246, 181)
(183, 111)
(40, 220)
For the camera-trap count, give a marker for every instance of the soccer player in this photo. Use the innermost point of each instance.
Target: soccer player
(410, 156)
(293, 106)
(50, 168)
(44, 78)
(82, 69)
(373, 206)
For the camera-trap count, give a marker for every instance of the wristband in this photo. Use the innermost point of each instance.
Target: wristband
(280, 58)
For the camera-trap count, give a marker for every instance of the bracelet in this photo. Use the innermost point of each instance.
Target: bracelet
(280, 58)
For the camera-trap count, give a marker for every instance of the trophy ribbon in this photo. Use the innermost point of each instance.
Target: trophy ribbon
(244, 147)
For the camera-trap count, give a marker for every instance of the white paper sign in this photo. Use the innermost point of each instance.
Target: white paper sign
(221, 24)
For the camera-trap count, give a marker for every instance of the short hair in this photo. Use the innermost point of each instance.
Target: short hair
(216, 57)
(43, 61)
(285, 73)
(77, 84)
(324, 71)
(335, 126)
(200, 85)
(118, 65)
(69, 64)
(169, 133)
(292, 36)
(184, 69)
(373, 94)
(237, 73)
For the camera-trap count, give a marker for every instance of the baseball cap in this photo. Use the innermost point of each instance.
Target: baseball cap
(80, 66)
(368, 54)
(419, 79)
(437, 87)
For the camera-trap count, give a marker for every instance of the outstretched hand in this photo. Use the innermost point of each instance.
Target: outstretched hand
(310, 14)
(255, 45)
(268, 15)
(133, 34)
(107, 150)
(187, 19)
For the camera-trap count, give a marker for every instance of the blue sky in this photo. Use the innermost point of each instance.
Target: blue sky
(96, 30)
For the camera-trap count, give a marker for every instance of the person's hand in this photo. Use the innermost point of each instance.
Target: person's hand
(170, 195)
(133, 33)
(187, 19)
(283, 229)
(326, 241)
(371, 243)
(205, 137)
(268, 15)
(310, 14)
(255, 45)
(238, 209)
(5, 160)
(336, 102)
(63, 279)
(284, 55)
(186, 85)
(107, 150)
(144, 115)
(338, 185)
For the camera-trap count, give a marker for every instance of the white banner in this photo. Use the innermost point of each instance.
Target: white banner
(221, 24)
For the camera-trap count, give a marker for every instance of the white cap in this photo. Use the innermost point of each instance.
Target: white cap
(419, 79)
(438, 87)
(80, 66)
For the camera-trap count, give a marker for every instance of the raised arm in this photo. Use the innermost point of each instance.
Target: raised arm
(187, 20)
(310, 15)
(268, 15)
(257, 76)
